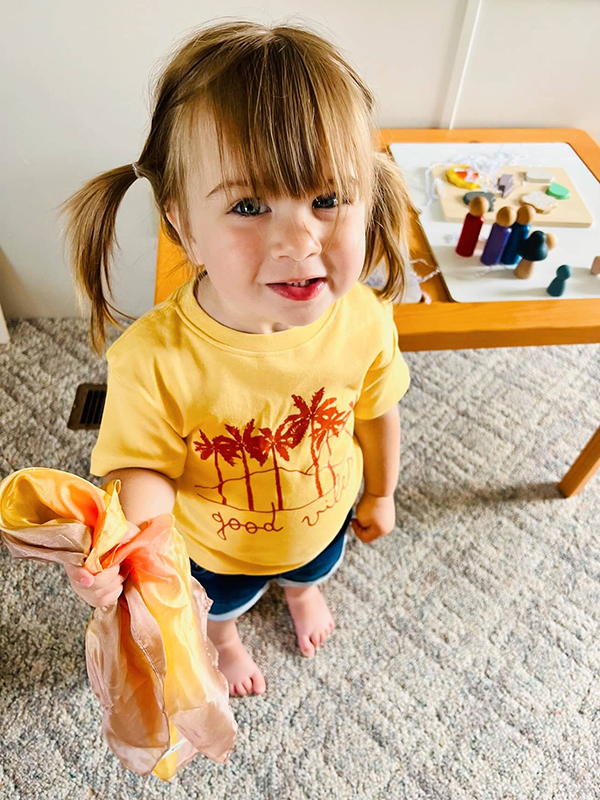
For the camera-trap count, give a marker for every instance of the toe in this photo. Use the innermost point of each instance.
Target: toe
(259, 684)
(306, 646)
(240, 690)
(247, 684)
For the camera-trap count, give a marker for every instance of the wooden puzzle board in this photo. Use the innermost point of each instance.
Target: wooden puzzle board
(570, 212)
(467, 279)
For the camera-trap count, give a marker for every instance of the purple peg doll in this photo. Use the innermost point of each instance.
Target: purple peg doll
(498, 236)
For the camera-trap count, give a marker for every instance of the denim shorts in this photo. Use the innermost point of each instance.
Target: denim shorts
(234, 594)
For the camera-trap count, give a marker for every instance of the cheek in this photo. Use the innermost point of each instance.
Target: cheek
(351, 241)
(235, 249)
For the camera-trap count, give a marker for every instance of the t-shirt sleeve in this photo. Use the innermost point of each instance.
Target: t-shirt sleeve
(388, 378)
(136, 430)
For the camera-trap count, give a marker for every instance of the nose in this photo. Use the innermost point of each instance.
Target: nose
(296, 235)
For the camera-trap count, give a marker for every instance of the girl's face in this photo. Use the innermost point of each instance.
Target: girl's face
(252, 248)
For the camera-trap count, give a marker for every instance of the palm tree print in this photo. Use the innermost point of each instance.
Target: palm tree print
(324, 421)
(219, 446)
(256, 447)
(321, 419)
(285, 438)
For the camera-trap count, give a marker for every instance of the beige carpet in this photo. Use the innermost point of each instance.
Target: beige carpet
(466, 658)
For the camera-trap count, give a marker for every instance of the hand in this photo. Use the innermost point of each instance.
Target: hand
(102, 589)
(375, 517)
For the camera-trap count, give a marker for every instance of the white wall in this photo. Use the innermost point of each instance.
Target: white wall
(75, 94)
(534, 63)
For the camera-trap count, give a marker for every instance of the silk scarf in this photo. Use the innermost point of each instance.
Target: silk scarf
(148, 657)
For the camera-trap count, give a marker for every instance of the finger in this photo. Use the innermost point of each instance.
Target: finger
(367, 535)
(112, 589)
(358, 528)
(79, 576)
(110, 598)
(106, 578)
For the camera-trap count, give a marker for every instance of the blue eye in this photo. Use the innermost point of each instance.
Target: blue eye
(326, 198)
(250, 206)
(329, 197)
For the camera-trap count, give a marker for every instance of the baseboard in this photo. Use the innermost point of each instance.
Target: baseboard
(4, 337)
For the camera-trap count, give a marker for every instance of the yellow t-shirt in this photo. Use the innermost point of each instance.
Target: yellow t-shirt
(257, 430)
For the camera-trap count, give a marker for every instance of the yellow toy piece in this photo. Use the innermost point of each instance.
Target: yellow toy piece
(459, 176)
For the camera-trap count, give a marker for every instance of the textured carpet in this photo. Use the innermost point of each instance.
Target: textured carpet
(466, 658)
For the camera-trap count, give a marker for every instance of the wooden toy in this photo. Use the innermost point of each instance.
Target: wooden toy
(471, 226)
(466, 280)
(519, 232)
(595, 270)
(506, 184)
(463, 177)
(557, 287)
(488, 196)
(534, 248)
(571, 213)
(537, 175)
(558, 191)
(498, 236)
(540, 201)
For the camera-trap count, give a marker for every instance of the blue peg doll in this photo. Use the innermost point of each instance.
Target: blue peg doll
(519, 232)
(557, 287)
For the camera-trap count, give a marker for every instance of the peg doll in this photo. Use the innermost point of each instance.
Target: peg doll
(471, 226)
(534, 248)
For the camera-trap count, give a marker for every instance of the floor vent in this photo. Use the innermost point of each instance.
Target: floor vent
(87, 409)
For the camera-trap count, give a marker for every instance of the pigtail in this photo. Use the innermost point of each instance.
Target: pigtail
(388, 233)
(90, 233)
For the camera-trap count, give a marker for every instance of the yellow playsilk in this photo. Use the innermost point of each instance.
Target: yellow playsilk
(149, 660)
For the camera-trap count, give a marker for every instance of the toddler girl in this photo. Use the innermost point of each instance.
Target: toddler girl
(251, 402)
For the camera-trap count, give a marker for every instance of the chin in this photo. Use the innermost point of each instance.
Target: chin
(308, 318)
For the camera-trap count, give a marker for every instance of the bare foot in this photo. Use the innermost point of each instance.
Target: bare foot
(235, 662)
(312, 618)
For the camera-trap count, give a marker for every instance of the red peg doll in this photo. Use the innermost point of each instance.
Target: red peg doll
(471, 226)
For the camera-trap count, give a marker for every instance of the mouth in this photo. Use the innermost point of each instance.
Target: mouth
(299, 290)
(305, 282)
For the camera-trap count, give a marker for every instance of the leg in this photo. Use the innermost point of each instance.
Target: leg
(231, 595)
(584, 467)
(312, 618)
(235, 662)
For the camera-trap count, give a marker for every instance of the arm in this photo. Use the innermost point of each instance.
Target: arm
(144, 493)
(379, 440)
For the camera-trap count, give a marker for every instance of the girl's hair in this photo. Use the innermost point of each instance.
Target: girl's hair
(294, 116)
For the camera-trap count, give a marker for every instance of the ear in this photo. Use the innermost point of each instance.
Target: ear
(173, 217)
(172, 213)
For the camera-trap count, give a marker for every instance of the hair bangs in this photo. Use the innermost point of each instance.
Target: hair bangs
(297, 128)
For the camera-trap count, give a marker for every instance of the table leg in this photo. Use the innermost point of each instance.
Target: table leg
(584, 467)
